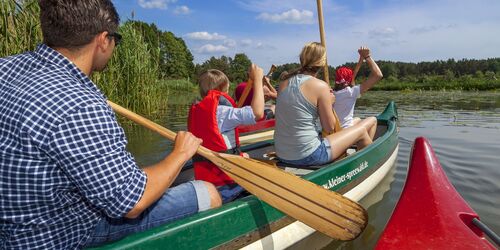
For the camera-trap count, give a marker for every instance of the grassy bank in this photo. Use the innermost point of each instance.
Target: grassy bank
(465, 83)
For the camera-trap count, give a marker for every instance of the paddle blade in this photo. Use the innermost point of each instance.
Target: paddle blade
(319, 208)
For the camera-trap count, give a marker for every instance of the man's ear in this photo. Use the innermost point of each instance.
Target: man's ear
(103, 41)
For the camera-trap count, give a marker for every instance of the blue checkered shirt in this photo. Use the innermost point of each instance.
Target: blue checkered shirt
(63, 162)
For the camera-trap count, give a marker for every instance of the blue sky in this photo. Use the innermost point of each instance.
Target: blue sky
(274, 31)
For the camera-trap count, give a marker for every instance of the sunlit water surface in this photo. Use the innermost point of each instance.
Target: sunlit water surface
(463, 128)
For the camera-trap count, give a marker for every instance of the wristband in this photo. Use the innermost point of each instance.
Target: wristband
(368, 56)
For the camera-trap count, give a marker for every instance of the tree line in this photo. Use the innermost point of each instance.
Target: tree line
(150, 63)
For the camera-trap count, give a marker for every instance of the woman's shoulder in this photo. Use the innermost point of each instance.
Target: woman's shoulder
(317, 83)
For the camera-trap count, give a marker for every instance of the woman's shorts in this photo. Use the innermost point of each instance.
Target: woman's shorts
(320, 156)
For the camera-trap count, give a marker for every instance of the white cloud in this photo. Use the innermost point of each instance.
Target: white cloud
(292, 16)
(182, 10)
(230, 43)
(155, 4)
(246, 42)
(203, 35)
(212, 49)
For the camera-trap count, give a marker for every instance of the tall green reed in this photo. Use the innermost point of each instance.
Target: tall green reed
(19, 26)
(132, 76)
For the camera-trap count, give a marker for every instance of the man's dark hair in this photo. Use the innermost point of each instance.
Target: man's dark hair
(74, 23)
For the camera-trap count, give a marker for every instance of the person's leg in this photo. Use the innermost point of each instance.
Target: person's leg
(176, 203)
(371, 126)
(342, 140)
(355, 120)
(215, 197)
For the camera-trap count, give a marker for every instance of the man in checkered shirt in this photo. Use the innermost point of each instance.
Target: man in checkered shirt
(66, 179)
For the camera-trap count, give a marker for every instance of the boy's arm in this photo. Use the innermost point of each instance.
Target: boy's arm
(375, 72)
(256, 75)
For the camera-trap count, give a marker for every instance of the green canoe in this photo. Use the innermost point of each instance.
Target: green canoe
(251, 223)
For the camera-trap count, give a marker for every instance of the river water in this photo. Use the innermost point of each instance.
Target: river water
(463, 128)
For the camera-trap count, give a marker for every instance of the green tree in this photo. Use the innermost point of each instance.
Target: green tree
(176, 61)
(238, 68)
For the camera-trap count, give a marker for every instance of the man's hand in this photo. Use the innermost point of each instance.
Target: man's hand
(186, 144)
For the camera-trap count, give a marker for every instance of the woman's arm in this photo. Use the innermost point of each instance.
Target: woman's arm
(325, 101)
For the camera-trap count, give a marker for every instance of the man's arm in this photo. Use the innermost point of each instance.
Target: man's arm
(90, 147)
(162, 174)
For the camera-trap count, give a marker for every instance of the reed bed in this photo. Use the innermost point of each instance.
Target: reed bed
(132, 77)
(19, 27)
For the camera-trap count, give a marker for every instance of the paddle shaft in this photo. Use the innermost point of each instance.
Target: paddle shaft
(150, 125)
(268, 84)
(322, 37)
(326, 73)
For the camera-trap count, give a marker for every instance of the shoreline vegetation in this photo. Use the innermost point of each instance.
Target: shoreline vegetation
(150, 64)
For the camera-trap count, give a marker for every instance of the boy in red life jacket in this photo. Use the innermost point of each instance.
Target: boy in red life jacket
(215, 118)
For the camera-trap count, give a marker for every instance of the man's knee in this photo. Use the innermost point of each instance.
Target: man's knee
(215, 199)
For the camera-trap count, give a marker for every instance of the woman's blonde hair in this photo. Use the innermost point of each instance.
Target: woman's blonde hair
(312, 59)
(212, 79)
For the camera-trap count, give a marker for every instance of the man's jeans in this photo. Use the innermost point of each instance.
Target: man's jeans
(178, 202)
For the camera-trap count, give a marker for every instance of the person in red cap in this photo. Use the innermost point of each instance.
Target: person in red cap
(347, 92)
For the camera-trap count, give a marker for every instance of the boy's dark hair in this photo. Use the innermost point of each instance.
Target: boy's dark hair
(74, 23)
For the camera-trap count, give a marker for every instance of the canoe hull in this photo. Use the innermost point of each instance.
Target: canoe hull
(296, 231)
(430, 213)
(239, 223)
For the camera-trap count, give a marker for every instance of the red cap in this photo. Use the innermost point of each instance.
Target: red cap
(239, 91)
(343, 76)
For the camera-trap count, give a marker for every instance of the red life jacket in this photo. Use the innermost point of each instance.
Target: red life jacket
(202, 122)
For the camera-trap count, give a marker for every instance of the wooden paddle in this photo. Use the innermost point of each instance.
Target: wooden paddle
(319, 208)
(268, 84)
(249, 85)
(319, 4)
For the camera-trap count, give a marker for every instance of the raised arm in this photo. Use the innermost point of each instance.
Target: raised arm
(268, 92)
(375, 73)
(256, 74)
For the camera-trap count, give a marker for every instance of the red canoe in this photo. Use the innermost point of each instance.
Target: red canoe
(430, 213)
